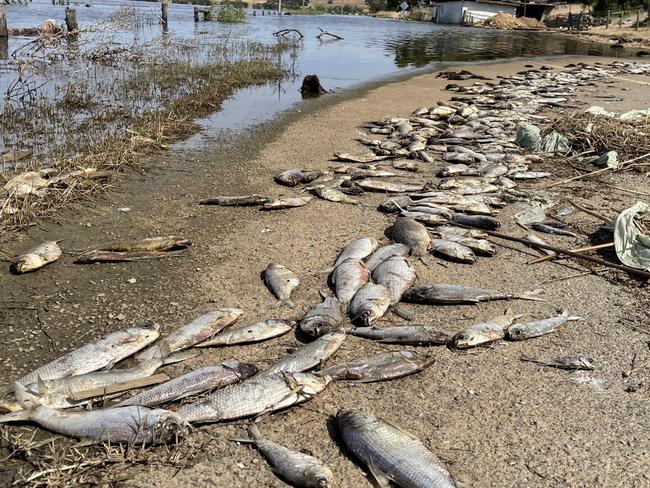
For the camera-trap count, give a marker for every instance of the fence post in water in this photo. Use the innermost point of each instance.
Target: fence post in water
(4, 32)
(163, 14)
(196, 14)
(620, 22)
(71, 19)
(609, 18)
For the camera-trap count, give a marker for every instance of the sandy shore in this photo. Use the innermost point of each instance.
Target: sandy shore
(494, 420)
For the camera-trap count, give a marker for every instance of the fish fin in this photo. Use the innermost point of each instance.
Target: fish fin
(254, 432)
(17, 416)
(25, 398)
(42, 387)
(406, 433)
(567, 314)
(379, 478)
(180, 357)
(7, 407)
(531, 295)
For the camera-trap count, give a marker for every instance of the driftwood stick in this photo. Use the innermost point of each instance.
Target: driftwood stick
(591, 212)
(558, 250)
(120, 387)
(580, 249)
(284, 32)
(325, 33)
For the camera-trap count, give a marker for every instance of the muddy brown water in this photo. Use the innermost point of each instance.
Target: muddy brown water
(494, 420)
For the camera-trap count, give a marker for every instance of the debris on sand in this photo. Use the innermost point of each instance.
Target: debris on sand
(505, 21)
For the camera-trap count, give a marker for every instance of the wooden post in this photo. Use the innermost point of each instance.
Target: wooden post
(196, 14)
(609, 18)
(163, 13)
(71, 19)
(280, 7)
(4, 32)
(620, 22)
(638, 14)
(4, 48)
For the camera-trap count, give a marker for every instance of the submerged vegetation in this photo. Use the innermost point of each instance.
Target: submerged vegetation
(100, 103)
(230, 14)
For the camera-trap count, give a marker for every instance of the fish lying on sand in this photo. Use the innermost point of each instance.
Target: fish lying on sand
(382, 367)
(347, 278)
(264, 393)
(296, 176)
(479, 221)
(411, 233)
(412, 335)
(388, 186)
(453, 251)
(257, 332)
(199, 330)
(386, 252)
(537, 328)
(103, 353)
(326, 317)
(200, 380)
(287, 202)
(91, 257)
(335, 195)
(310, 355)
(237, 201)
(553, 229)
(150, 248)
(370, 303)
(357, 249)
(478, 246)
(483, 333)
(360, 158)
(297, 468)
(391, 453)
(281, 281)
(136, 425)
(36, 257)
(565, 362)
(443, 293)
(396, 275)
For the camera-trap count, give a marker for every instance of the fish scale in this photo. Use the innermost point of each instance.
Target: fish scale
(310, 355)
(396, 275)
(392, 454)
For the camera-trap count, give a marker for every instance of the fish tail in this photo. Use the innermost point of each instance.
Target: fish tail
(18, 416)
(254, 432)
(567, 315)
(531, 295)
(286, 303)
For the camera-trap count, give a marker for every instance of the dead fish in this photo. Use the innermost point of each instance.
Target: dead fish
(425, 218)
(91, 257)
(297, 468)
(357, 249)
(446, 231)
(323, 318)
(385, 252)
(370, 303)
(457, 169)
(200, 380)
(257, 332)
(452, 250)
(382, 367)
(395, 204)
(483, 333)
(388, 186)
(310, 355)
(136, 425)
(529, 175)
(347, 278)
(36, 257)
(361, 158)
(335, 195)
(103, 353)
(534, 239)
(396, 275)
(442, 293)
(473, 189)
(565, 362)
(549, 229)
(264, 393)
(359, 173)
(161, 244)
(458, 157)
(198, 330)
(480, 221)
(528, 330)
(237, 201)
(391, 453)
(296, 176)
(479, 246)
(431, 209)
(405, 164)
(281, 281)
(287, 202)
(411, 233)
(412, 335)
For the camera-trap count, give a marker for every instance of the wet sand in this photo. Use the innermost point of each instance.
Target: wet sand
(494, 420)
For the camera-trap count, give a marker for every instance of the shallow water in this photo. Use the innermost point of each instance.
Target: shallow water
(372, 49)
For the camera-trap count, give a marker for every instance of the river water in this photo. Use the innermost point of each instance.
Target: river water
(372, 49)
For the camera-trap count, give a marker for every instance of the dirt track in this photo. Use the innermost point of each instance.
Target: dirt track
(495, 420)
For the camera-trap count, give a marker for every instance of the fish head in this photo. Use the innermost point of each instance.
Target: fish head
(350, 419)
(243, 370)
(147, 332)
(27, 399)
(26, 263)
(517, 332)
(316, 326)
(318, 476)
(309, 384)
(464, 340)
(167, 426)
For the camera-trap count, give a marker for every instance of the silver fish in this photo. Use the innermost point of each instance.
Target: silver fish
(36, 257)
(287, 202)
(395, 204)
(101, 354)
(528, 330)
(137, 425)
(412, 233)
(358, 249)
(382, 367)
(452, 250)
(347, 278)
(549, 229)
(360, 158)
(323, 318)
(264, 393)
(388, 186)
(479, 246)
(385, 252)
(161, 244)
(392, 454)
(443, 293)
(297, 468)
(200, 380)
(565, 362)
(412, 335)
(236, 201)
(199, 330)
(335, 195)
(396, 275)
(370, 303)
(310, 355)
(425, 218)
(534, 239)
(529, 175)
(257, 332)
(483, 333)
(446, 231)
(433, 209)
(281, 281)
(296, 176)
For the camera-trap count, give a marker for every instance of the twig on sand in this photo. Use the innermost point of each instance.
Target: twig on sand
(634, 192)
(580, 249)
(591, 212)
(120, 387)
(575, 275)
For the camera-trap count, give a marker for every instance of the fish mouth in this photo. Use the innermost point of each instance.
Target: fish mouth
(460, 341)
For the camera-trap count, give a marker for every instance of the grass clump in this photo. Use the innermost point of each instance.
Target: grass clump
(230, 14)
